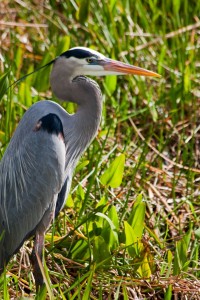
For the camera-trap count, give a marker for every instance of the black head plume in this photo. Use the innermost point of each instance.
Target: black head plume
(78, 53)
(25, 76)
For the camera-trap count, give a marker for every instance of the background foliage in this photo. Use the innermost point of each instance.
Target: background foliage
(130, 228)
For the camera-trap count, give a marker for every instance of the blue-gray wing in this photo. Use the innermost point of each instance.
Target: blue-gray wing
(31, 176)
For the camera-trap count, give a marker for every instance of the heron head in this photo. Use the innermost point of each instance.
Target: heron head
(85, 61)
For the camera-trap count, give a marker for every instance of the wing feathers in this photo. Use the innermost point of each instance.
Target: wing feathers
(30, 179)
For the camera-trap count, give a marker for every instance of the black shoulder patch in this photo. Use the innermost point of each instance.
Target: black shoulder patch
(50, 123)
(78, 53)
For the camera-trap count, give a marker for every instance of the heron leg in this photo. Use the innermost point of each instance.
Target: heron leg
(38, 251)
(39, 245)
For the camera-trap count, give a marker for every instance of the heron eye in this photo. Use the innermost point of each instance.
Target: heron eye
(89, 60)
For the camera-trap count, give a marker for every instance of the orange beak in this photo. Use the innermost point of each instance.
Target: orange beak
(117, 67)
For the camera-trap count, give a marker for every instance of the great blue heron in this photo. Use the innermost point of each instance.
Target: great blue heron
(37, 167)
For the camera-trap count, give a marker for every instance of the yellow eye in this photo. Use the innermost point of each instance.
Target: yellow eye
(89, 60)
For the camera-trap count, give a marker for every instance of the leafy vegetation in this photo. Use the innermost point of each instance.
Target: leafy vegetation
(130, 228)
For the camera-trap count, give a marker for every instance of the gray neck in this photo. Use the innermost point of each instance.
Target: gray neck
(80, 128)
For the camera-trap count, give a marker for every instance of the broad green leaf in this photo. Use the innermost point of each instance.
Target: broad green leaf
(41, 78)
(137, 215)
(70, 201)
(28, 99)
(103, 201)
(101, 252)
(19, 58)
(99, 214)
(109, 231)
(176, 6)
(112, 214)
(113, 175)
(25, 97)
(80, 250)
(132, 242)
(111, 83)
(169, 261)
(145, 267)
(181, 254)
(112, 226)
(112, 3)
(111, 238)
(82, 165)
(187, 238)
(130, 235)
(21, 93)
(63, 45)
(83, 11)
(169, 257)
(102, 207)
(80, 192)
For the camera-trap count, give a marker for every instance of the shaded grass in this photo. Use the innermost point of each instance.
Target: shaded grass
(90, 252)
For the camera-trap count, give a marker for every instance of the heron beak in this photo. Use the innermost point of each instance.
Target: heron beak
(113, 66)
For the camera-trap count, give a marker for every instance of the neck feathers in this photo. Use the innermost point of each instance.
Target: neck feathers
(81, 127)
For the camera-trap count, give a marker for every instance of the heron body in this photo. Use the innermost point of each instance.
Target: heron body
(37, 167)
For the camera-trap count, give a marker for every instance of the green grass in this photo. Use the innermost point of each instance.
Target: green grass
(130, 227)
